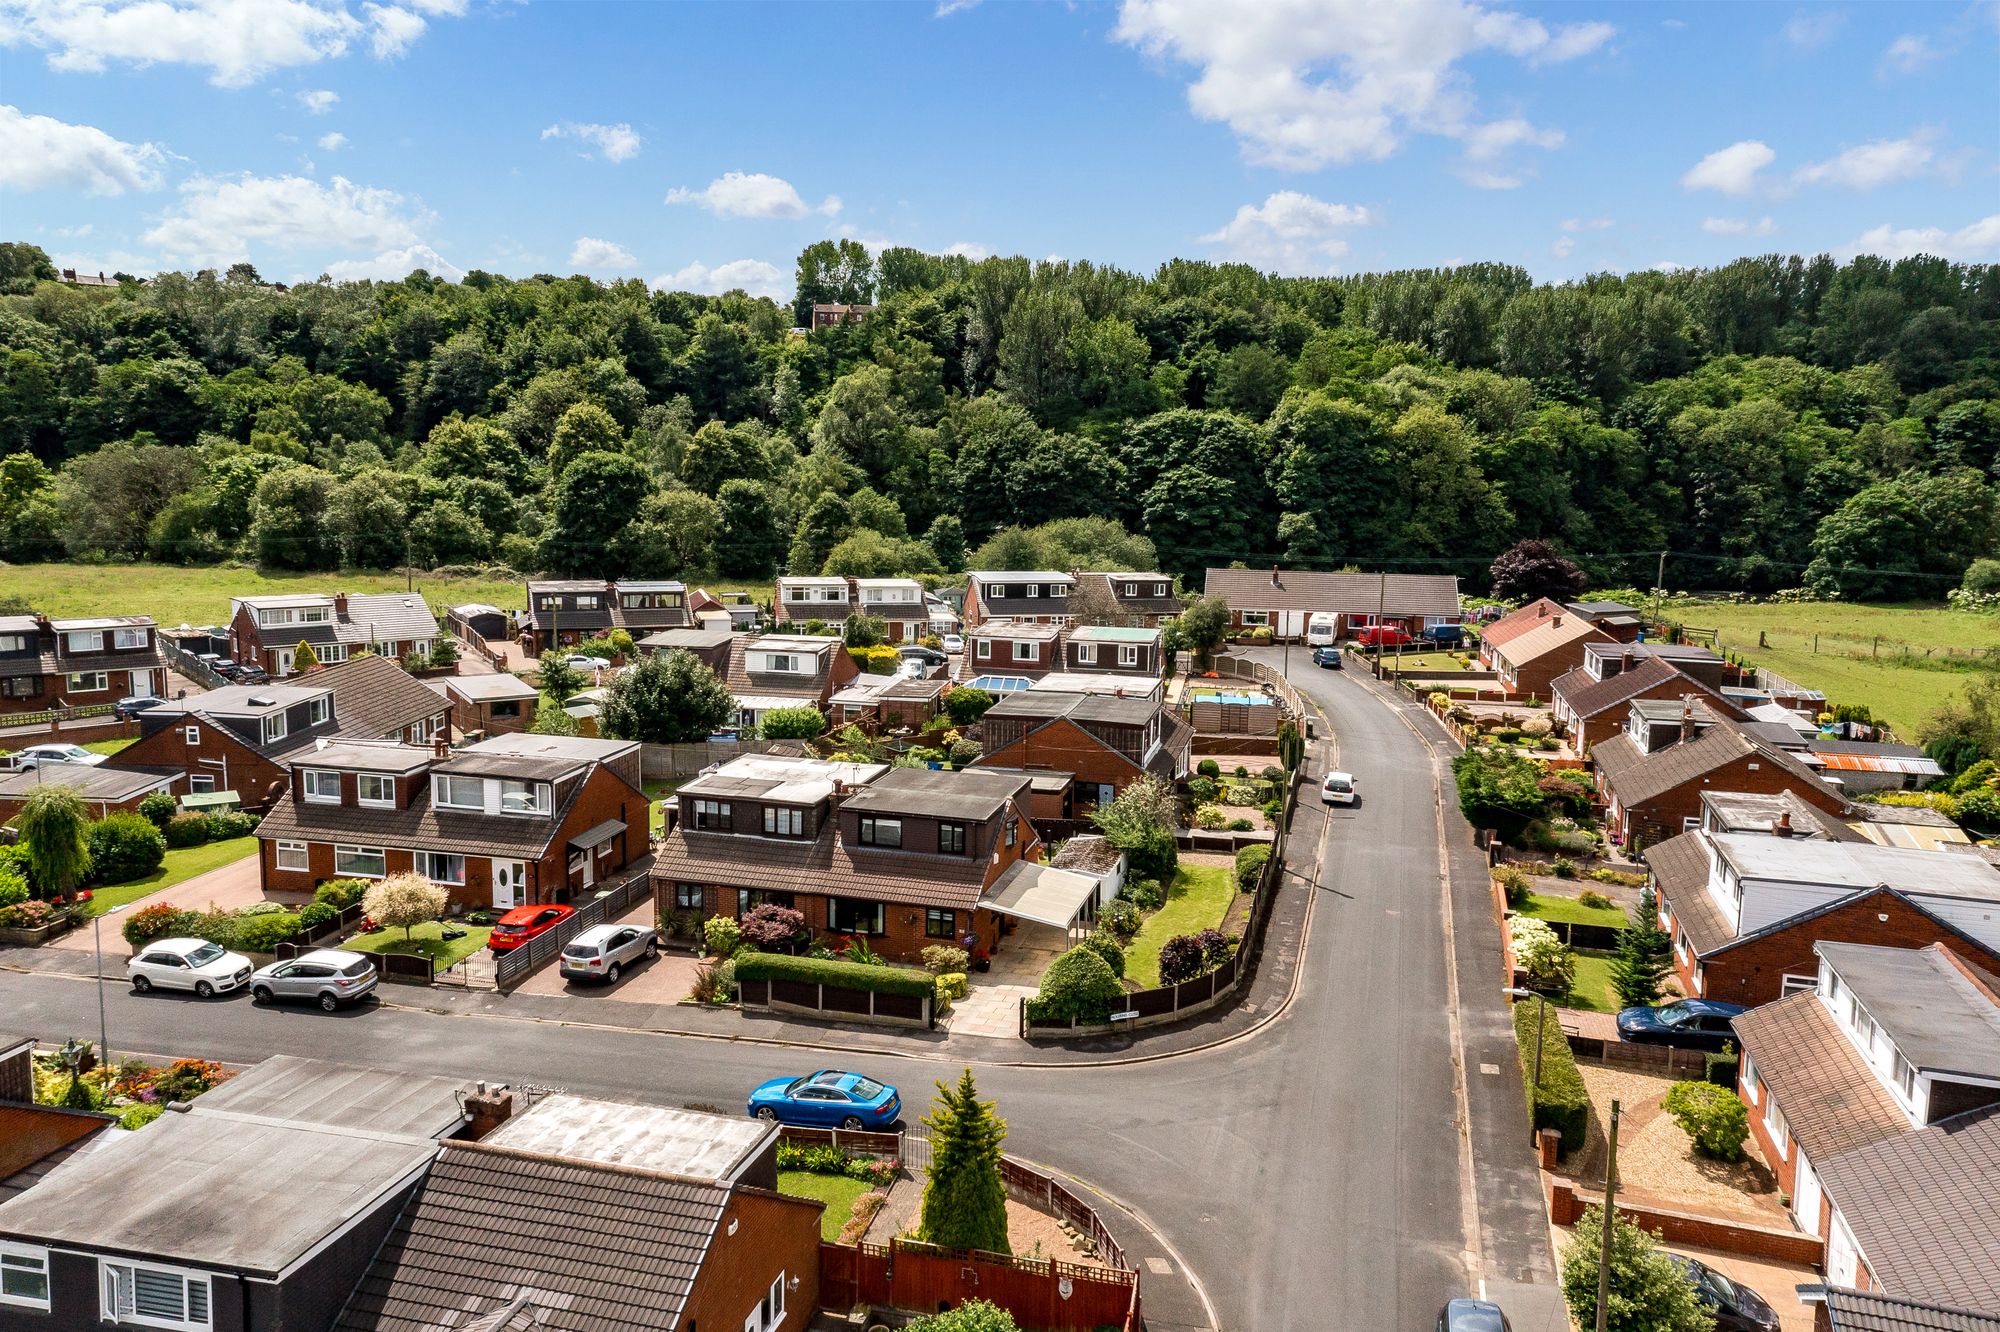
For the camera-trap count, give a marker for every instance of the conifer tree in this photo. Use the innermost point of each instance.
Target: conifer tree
(1645, 954)
(304, 658)
(965, 1203)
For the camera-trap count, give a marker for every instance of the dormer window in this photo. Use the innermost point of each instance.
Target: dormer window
(1086, 654)
(519, 797)
(1034, 590)
(787, 662)
(315, 615)
(377, 789)
(320, 710)
(322, 786)
(998, 591)
(449, 791)
(13, 642)
(951, 839)
(128, 638)
(782, 822)
(881, 832)
(1058, 590)
(274, 728)
(1159, 589)
(1131, 589)
(713, 816)
(92, 641)
(1024, 651)
(586, 602)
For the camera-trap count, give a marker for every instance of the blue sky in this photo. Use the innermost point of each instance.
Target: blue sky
(701, 146)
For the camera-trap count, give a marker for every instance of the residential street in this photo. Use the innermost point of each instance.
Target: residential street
(1313, 1174)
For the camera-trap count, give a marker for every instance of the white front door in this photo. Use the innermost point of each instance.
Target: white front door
(284, 656)
(510, 883)
(1291, 624)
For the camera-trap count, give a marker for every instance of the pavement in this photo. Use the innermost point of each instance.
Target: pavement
(1330, 1154)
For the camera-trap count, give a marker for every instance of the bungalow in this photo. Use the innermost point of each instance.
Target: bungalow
(48, 663)
(1651, 774)
(1593, 700)
(1147, 599)
(511, 821)
(770, 671)
(266, 631)
(1105, 743)
(1112, 650)
(1534, 645)
(494, 704)
(1039, 596)
(1875, 1097)
(902, 857)
(1283, 600)
(564, 612)
(1746, 909)
(1861, 766)
(103, 790)
(805, 599)
(1024, 648)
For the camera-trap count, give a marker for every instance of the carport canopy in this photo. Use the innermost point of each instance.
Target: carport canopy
(1040, 893)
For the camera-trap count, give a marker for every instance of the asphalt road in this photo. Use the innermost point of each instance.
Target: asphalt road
(1313, 1175)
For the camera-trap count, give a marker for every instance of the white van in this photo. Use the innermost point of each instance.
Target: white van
(1319, 629)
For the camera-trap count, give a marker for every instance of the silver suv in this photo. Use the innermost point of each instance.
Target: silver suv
(602, 951)
(329, 977)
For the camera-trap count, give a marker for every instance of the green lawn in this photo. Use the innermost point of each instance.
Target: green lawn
(1845, 666)
(1592, 987)
(1198, 900)
(108, 746)
(181, 864)
(1569, 910)
(427, 941)
(838, 1192)
(175, 596)
(1427, 663)
(657, 812)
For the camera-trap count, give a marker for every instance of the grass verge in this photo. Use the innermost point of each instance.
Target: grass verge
(1568, 910)
(1197, 900)
(838, 1192)
(182, 863)
(427, 940)
(108, 746)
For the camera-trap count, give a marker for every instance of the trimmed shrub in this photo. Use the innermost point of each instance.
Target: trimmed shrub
(161, 921)
(845, 975)
(1562, 1102)
(124, 847)
(315, 914)
(158, 808)
(263, 933)
(1240, 825)
(792, 724)
(1250, 863)
(1108, 948)
(1716, 1119)
(1565, 868)
(1118, 916)
(1590, 897)
(188, 830)
(1209, 816)
(231, 823)
(966, 705)
(1079, 985)
(1146, 894)
(340, 893)
(1721, 1067)
(953, 985)
(1209, 768)
(721, 935)
(943, 959)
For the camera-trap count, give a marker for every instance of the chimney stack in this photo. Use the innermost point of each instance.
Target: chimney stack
(441, 745)
(340, 603)
(1557, 622)
(1274, 577)
(1782, 827)
(487, 1109)
(1687, 719)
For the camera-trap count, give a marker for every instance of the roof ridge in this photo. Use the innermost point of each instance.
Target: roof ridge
(582, 1163)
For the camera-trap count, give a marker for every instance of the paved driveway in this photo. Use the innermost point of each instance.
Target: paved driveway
(993, 1008)
(227, 886)
(665, 980)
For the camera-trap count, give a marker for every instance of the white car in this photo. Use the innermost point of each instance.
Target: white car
(953, 643)
(580, 662)
(36, 755)
(1340, 788)
(188, 964)
(602, 951)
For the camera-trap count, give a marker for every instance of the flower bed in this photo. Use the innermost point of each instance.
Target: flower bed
(135, 1093)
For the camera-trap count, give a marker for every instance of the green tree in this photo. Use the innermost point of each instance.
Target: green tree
(1645, 956)
(558, 679)
(22, 265)
(792, 724)
(369, 519)
(946, 538)
(1249, 381)
(289, 528)
(404, 901)
(550, 719)
(965, 1202)
(748, 540)
(597, 497)
(54, 824)
(446, 533)
(669, 698)
(304, 658)
(1647, 1293)
(583, 428)
(832, 273)
(1203, 626)
(819, 530)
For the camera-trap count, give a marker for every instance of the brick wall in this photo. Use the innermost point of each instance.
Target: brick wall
(1752, 973)
(773, 1236)
(1566, 1207)
(903, 938)
(249, 773)
(1062, 746)
(1784, 1164)
(1655, 820)
(1537, 677)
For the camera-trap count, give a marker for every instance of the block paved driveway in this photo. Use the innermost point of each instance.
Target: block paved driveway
(665, 980)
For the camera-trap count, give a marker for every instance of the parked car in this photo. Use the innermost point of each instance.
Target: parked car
(187, 964)
(929, 656)
(252, 675)
(1388, 635)
(1472, 1316)
(1694, 1024)
(1444, 635)
(1339, 788)
(602, 951)
(578, 661)
(523, 923)
(213, 660)
(828, 1099)
(125, 709)
(34, 756)
(953, 642)
(1737, 1308)
(328, 977)
(1328, 657)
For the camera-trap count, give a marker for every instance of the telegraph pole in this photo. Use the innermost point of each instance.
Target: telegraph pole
(1610, 1218)
(1381, 609)
(1659, 586)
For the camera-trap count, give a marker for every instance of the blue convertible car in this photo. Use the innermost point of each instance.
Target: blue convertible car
(828, 1099)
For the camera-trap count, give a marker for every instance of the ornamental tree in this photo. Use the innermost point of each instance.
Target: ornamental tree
(965, 1202)
(769, 926)
(1645, 954)
(304, 658)
(669, 698)
(1533, 568)
(405, 900)
(54, 824)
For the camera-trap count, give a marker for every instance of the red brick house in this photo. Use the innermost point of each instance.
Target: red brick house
(513, 820)
(493, 704)
(1105, 742)
(564, 612)
(1032, 596)
(1746, 910)
(1651, 775)
(902, 857)
(1013, 647)
(48, 663)
(1534, 645)
(1284, 600)
(827, 315)
(266, 631)
(887, 702)
(1593, 700)
(770, 671)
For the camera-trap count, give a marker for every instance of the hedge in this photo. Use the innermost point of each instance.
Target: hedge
(1564, 1102)
(844, 975)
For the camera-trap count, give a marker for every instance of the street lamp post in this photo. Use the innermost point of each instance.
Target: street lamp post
(1541, 1020)
(103, 1023)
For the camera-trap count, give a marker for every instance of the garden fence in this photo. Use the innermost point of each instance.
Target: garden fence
(672, 762)
(837, 1002)
(187, 664)
(606, 905)
(473, 639)
(338, 926)
(911, 1147)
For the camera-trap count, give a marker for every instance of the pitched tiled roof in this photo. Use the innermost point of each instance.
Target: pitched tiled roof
(744, 682)
(1830, 1099)
(1923, 1208)
(373, 697)
(419, 827)
(1547, 637)
(1680, 864)
(1143, 602)
(386, 617)
(1872, 1311)
(1636, 777)
(1587, 697)
(492, 1234)
(822, 866)
(1340, 593)
(1517, 622)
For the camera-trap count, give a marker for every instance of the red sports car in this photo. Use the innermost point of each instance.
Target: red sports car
(524, 923)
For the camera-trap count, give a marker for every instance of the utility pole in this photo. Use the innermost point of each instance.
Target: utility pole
(1381, 609)
(1610, 1218)
(1659, 585)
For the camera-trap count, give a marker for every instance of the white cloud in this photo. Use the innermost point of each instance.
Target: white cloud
(969, 250)
(1731, 170)
(592, 255)
(751, 275)
(1588, 224)
(78, 231)
(1908, 54)
(614, 143)
(1669, 266)
(1977, 243)
(1564, 247)
(219, 219)
(333, 142)
(1872, 165)
(1738, 226)
(946, 8)
(751, 194)
(1307, 83)
(394, 265)
(1810, 31)
(319, 101)
(1291, 234)
(41, 152)
(237, 41)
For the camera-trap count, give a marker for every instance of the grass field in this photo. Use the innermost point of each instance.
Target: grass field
(182, 863)
(175, 596)
(427, 941)
(838, 1192)
(1197, 900)
(107, 746)
(1849, 665)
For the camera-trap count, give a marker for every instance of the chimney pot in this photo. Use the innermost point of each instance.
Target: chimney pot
(487, 1110)
(340, 603)
(1783, 826)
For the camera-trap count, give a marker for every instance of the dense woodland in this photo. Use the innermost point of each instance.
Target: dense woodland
(1776, 423)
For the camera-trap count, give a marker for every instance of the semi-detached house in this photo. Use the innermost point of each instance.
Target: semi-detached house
(266, 631)
(564, 612)
(48, 663)
(1285, 600)
(1104, 741)
(1037, 596)
(770, 671)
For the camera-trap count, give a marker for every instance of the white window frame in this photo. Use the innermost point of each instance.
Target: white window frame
(29, 1258)
(1255, 619)
(79, 682)
(997, 591)
(108, 1271)
(361, 796)
(332, 654)
(429, 861)
(1128, 654)
(271, 736)
(83, 640)
(985, 649)
(312, 780)
(294, 855)
(319, 710)
(774, 1302)
(543, 793)
(1793, 982)
(1033, 591)
(1086, 654)
(201, 783)
(342, 850)
(315, 614)
(441, 785)
(784, 662)
(1024, 650)
(1778, 1128)
(125, 640)
(1746, 1074)
(1058, 591)
(192, 736)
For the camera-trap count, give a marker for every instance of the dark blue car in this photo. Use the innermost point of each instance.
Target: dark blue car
(1327, 656)
(828, 1099)
(1692, 1024)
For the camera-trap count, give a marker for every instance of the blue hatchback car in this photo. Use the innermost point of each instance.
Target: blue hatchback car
(828, 1099)
(1327, 656)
